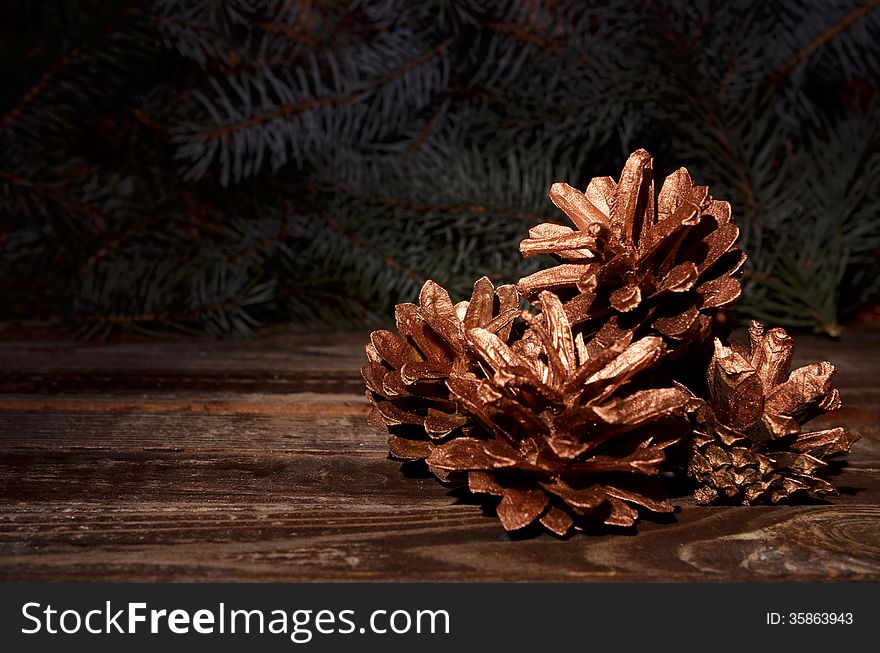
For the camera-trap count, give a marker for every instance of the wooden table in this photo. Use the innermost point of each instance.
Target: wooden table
(251, 461)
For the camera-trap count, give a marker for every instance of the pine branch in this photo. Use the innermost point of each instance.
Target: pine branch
(303, 106)
(48, 77)
(425, 132)
(394, 203)
(34, 91)
(265, 243)
(821, 40)
(364, 245)
(220, 163)
(96, 219)
(293, 33)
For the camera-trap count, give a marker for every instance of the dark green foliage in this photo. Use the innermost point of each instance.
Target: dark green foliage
(214, 165)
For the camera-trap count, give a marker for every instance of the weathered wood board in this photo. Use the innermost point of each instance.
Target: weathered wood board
(251, 461)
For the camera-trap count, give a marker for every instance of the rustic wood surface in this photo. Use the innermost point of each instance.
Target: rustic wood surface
(250, 461)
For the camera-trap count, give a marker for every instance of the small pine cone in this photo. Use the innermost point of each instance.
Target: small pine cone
(406, 371)
(568, 434)
(748, 442)
(661, 270)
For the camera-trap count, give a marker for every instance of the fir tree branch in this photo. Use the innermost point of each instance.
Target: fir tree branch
(11, 116)
(335, 154)
(159, 317)
(400, 71)
(825, 37)
(112, 246)
(97, 219)
(227, 130)
(364, 245)
(292, 33)
(547, 44)
(425, 132)
(264, 243)
(418, 207)
(303, 106)
(34, 91)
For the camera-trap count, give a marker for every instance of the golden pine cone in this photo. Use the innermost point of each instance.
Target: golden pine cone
(659, 270)
(748, 444)
(406, 371)
(568, 434)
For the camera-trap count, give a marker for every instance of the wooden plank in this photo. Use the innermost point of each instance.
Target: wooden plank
(285, 354)
(186, 402)
(321, 516)
(216, 510)
(149, 461)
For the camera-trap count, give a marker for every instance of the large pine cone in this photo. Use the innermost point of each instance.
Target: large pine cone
(748, 444)
(406, 371)
(570, 434)
(660, 271)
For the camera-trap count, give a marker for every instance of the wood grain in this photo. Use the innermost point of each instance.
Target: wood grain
(251, 461)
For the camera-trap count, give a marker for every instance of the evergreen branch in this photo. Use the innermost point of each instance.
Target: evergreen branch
(364, 245)
(385, 142)
(224, 131)
(419, 207)
(289, 32)
(147, 120)
(159, 317)
(11, 116)
(400, 71)
(524, 36)
(264, 243)
(97, 219)
(45, 79)
(425, 132)
(825, 37)
(112, 246)
(177, 22)
(550, 45)
(303, 106)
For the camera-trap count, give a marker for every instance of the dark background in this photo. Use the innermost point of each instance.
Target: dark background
(215, 166)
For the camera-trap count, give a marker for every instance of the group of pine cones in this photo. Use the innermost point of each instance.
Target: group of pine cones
(569, 412)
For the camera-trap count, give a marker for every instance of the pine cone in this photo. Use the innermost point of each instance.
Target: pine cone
(570, 434)
(406, 372)
(657, 271)
(748, 446)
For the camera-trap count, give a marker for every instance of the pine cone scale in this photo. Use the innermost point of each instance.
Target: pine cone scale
(771, 354)
(824, 443)
(557, 521)
(555, 278)
(641, 407)
(641, 498)
(621, 514)
(520, 507)
(718, 293)
(484, 483)
(686, 215)
(681, 278)
(634, 198)
(577, 206)
(676, 327)
(718, 243)
(410, 450)
(438, 311)
(580, 501)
